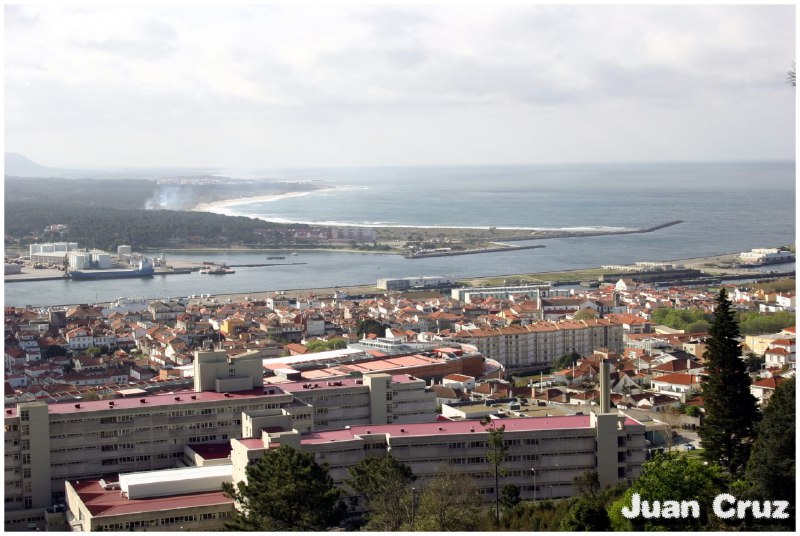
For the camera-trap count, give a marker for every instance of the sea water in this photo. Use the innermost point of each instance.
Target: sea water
(726, 207)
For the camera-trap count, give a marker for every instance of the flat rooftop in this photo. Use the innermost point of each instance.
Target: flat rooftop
(297, 387)
(175, 398)
(454, 427)
(106, 503)
(530, 410)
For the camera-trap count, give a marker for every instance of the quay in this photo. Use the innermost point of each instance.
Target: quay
(468, 252)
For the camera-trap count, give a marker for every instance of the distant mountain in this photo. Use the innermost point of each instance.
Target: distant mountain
(17, 165)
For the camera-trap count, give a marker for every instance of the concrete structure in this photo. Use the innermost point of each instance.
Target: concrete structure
(51, 252)
(170, 500)
(544, 454)
(422, 281)
(219, 372)
(536, 346)
(466, 295)
(354, 234)
(46, 445)
(766, 256)
(122, 251)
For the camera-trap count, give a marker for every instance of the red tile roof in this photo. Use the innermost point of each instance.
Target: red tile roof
(106, 503)
(454, 427)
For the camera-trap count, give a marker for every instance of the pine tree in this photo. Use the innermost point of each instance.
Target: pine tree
(771, 467)
(385, 485)
(495, 455)
(728, 429)
(286, 490)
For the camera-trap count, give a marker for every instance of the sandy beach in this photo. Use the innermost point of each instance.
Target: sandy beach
(220, 207)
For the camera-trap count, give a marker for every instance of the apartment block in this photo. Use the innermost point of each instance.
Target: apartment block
(535, 346)
(49, 444)
(544, 454)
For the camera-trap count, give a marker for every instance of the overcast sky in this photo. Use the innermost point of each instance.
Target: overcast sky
(272, 86)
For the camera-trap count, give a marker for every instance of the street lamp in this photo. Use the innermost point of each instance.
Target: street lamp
(413, 506)
(534, 484)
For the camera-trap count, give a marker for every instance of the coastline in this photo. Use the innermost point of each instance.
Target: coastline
(219, 207)
(693, 262)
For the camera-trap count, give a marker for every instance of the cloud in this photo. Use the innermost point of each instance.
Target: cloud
(370, 82)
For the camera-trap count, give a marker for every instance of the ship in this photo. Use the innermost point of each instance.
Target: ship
(218, 270)
(145, 269)
(274, 258)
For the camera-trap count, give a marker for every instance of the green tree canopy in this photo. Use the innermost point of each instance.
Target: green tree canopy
(565, 361)
(731, 412)
(509, 496)
(370, 325)
(670, 477)
(324, 346)
(753, 322)
(585, 314)
(385, 484)
(449, 502)
(771, 467)
(286, 490)
(586, 514)
(682, 319)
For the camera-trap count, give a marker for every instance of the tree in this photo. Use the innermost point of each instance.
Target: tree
(449, 502)
(566, 360)
(771, 467)
(671, 477)
(586, 514)
(54, 350)
(731, 412)
(370, 325)
(692, 411)
(753, 362)
(384, 483)
(495, 455)
(585, 314)
(286, 490)
(509, 496)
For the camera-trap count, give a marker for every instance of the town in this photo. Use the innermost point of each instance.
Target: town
(109, 405)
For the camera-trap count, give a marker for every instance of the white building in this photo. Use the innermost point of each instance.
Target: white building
(422, 281)
(766, 256)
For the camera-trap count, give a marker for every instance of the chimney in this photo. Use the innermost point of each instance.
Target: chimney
(605, 387)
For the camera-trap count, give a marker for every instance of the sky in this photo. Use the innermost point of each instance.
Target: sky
(264, 86)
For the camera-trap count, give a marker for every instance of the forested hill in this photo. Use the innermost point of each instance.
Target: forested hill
(119, 193)
(108, 213)
(106, 228)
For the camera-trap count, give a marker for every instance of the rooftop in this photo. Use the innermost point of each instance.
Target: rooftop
(175, 398)
(454, 427)
(105, 503)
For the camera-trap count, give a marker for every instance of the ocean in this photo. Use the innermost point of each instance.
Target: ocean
(726, 207)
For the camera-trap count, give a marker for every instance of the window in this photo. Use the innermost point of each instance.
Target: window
(24, 416)
(26, 444)
(26, 472)
(26, 459)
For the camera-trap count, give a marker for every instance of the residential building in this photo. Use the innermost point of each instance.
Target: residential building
(536, 346)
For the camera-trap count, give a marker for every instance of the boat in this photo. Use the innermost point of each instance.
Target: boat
(145, 269)
(275, 258)
(294, 254)
(218, 270)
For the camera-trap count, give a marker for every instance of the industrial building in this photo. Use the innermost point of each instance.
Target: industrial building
(421, 281)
